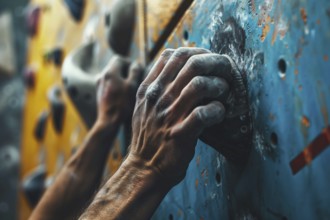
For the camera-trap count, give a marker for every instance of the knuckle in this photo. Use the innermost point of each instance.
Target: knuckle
(164, 102)
(153, 92)
(198, 83)
(116, 59)
(141, 91)
(136, 68)
(195, 63)
(167, 53)
(181, 52)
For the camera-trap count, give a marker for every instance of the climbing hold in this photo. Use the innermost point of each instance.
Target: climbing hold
(57, 108)
(29, 76)
(40, 128)
(233, 136)
(55, 56)
(33, 16)
(34, 185)
(120, 26)
(80, 81)
(76, 8)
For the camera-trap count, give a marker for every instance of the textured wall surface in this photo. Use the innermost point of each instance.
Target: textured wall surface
(282, 47)
(285, 59)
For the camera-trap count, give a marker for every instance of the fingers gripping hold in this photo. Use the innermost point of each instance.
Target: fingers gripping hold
(200, 90)
(158, 67)
(209, 87)
(200, 118)
(209, 114)
(178, 59)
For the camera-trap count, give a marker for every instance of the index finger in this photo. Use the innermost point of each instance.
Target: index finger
(204, 65)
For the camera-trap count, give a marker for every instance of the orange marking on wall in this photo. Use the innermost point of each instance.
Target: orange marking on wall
(265, 32)
(303, 15)
(196, 183)
(253, 6)
(305, 121)
(314, 149)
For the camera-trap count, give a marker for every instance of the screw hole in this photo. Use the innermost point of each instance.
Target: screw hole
(282, 67)
(244, 129)
(185, 35)
(218, 177)
(170, 217)
(274, 138)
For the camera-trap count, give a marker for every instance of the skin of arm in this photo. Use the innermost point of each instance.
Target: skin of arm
(171, 112)
(80, 177)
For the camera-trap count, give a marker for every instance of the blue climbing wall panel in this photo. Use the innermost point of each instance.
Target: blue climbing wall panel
(286, 61)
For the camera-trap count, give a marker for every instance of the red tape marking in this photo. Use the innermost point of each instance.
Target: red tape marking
(318, 145)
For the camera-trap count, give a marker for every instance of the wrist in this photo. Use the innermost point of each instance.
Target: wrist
(151, 175)
(106, 126)
(133, 192)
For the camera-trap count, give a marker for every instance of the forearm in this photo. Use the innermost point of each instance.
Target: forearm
(79, 178)
(134, 192)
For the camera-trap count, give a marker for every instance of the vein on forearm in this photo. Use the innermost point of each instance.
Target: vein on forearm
(132, 193)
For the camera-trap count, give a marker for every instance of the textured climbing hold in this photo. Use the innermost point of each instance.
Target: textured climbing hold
(76, 8)
(34, 185)
(40, 128)
(232, 137)
(33, 17)
(80, 81)
(120, 26)
(57, 108)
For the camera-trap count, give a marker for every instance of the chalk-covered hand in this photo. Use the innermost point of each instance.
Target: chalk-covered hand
(116, 91)
(175, 103)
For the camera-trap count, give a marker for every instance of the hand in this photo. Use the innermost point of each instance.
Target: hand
(169, 117)
(116, 91)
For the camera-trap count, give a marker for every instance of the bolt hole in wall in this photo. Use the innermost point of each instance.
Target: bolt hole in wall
(274, 139)
(282, 67)
(170, 217)
(185, 35)
(218, 177)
